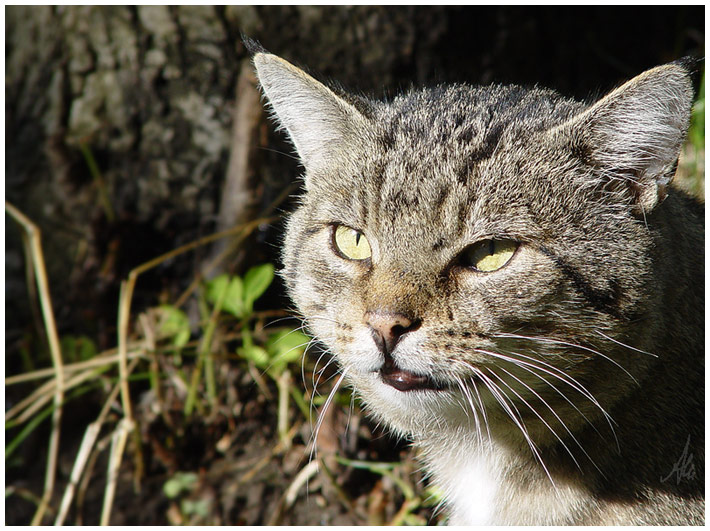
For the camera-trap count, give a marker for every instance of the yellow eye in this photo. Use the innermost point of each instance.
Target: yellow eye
(489, 255)
(351, 243)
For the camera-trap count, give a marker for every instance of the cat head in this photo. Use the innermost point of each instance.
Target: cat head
(462, 245)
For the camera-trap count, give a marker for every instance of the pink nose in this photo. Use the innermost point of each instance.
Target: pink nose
(387, 328)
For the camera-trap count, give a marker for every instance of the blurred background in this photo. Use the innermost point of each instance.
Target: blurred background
(135, 135)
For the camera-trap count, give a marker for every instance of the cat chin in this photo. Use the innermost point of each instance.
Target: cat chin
(410, 412)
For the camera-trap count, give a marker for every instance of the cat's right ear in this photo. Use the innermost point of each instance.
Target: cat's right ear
(633, 136)
(321, 125)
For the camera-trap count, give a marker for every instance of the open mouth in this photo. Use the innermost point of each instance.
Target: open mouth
(404, 380)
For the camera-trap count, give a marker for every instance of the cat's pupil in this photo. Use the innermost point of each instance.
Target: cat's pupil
(350, 244)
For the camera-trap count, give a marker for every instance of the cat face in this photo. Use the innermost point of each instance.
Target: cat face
(427, 286)
(470, 253)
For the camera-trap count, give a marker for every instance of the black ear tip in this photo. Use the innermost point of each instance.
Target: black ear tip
(253, 46)
(693, 66)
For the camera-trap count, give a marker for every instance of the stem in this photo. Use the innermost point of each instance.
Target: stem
(99, 180)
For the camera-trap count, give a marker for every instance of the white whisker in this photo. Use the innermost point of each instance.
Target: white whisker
(625, 345)
(573, 345)
(499, 394)
(323, 412)
(529, 368)
(563, 377)
(554, 413)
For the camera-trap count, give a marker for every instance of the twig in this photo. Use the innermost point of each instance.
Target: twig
(259, 380)
(283, 383)
(237, 196)
(289, 496)
(81, 491)
(32, 290)
(23, 493)
(243, 231)
(277, 449)
(124, 310)
(44, 394)
(203, 359)
(407, 507)
(32, 232)
(87, 443)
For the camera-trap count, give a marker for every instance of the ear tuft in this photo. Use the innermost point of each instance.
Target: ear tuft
(253, 46)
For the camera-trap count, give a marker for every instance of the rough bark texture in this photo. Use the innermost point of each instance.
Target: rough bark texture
(153, 93)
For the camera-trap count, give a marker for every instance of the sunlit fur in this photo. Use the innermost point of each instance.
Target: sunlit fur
(574, 372)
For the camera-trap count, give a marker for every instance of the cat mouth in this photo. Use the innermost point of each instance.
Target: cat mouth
(404, 380)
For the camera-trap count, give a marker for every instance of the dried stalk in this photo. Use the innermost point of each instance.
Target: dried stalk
(33, 235)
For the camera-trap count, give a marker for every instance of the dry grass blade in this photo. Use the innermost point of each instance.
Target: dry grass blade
(87, 445)
(283, 383)
(118, 443)
(44, 394)
(104, 359)
(291, 493)
(63, 378)
(32, 235)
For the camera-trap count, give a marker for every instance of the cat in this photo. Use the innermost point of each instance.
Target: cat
(506, 277)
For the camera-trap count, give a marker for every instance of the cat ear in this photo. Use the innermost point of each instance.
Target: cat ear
(634, 134)
(320, 123)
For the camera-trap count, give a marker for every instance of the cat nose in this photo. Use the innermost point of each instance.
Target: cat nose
(388, 328)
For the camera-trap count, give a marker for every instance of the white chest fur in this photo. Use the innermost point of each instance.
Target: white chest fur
(470, 485)
(479, 489)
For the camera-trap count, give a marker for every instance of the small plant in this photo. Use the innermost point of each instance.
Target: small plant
(236, 296)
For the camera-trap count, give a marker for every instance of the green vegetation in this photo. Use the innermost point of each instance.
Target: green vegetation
(691, 169)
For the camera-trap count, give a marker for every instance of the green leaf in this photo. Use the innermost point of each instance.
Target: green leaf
(87, 348)
(196, 507)
(216, 287)
(229, 291)
(78, 348)
(256, 281)
(181, 481)
(255, 354)
(175, 324)
(286, 346)
(234, 301)
(35, 421)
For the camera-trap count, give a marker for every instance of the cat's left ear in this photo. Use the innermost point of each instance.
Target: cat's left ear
(322, 125)
(634, 134)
